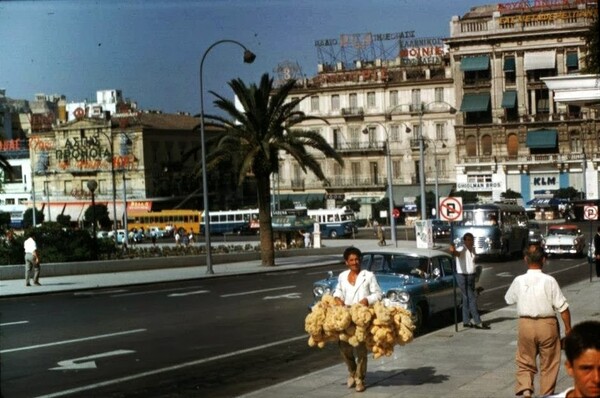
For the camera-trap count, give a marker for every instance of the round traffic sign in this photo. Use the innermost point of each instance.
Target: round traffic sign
(451, 208)
(396, 213)
(590, 212)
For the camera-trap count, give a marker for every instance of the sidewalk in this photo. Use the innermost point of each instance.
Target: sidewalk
(445, 363)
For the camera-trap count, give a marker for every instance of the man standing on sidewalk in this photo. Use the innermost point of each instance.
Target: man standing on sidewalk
(466, 274)
(537, 296)
(32, 261)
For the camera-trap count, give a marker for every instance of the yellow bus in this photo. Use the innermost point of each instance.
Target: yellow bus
(167, 220)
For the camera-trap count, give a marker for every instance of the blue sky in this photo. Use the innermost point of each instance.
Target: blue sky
(151, 49)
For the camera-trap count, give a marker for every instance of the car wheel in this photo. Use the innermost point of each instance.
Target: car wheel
(418, 317)
(333, 234)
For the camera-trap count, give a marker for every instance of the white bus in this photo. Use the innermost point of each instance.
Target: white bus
(334, 223)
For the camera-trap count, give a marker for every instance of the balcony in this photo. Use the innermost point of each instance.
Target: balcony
(360, 146)
(353, 113)
(358, 182)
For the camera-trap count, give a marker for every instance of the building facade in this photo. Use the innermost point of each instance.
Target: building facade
(511, 131)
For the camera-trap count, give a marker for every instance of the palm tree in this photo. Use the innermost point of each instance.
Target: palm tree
(256, 134)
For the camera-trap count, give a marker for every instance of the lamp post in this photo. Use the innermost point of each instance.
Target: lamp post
(125, 143)
(388, 156)
(249, 57)
(92, 185)
(113, 179)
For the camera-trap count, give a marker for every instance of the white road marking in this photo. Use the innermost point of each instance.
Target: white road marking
(101, 336)
(257, 291)
(504, 274)
(13, 323)
(296, 295)
(188, 293)
(168, 369)
(101, 293)
(87, 362)
(152, 292)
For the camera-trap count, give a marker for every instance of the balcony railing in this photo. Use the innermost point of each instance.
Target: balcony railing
(353, 112)
(360, 146)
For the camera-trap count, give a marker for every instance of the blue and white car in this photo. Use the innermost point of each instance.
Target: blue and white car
(418, 280)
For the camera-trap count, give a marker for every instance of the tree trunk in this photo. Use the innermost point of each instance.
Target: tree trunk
(267, 250)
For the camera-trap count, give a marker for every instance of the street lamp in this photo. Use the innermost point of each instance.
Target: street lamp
(249, 57)
(388, 155)
(92, 185)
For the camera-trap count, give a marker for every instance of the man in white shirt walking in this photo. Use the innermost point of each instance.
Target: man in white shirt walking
(538, 297)
(32, 261)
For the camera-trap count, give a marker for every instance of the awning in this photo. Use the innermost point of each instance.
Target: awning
(509, 99)
(402, 192)
(509, 64)
(540, 60)
(75, 210)
(572, 60)
(471, 64)
(475, 102)
(546, 202)
(540, 139)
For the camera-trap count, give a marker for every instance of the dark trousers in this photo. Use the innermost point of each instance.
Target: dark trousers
(466, 283)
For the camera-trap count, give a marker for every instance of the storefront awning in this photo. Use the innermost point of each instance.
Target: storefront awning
(509, 99)
(475, 102)
(542, 139)
(540, 60)
(471, 64)
(509, 65)
(402, 192)
(546, 202)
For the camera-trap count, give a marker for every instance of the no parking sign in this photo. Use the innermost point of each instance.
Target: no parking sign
(590, 212)
(451, 208)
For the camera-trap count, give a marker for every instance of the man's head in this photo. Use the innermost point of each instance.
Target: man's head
(582, 347)
(534, 255)
(468, 240)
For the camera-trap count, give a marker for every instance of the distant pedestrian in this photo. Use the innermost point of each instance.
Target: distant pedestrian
(466, 274)
(32, 261)
(153, 237)
(191, 236)
(538, 297)
(381, 236)
(597, 252)
(177, 238)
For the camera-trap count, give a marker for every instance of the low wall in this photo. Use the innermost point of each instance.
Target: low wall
(140, 264)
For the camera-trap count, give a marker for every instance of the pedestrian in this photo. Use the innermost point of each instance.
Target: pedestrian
(177, 238)
(538, 297)
(582, 348)
(191, 236)
(32, 261)
(466, 274)
(381, 236)
(356, 286)
(153, 237)
(597, 252)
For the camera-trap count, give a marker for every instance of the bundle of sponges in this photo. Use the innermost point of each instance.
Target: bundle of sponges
(380, 326)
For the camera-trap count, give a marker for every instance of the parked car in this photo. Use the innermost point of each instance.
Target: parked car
(158, 232)
(120, 235)
(418, 280)
(441, 229)
(564, 239)
(535, 233)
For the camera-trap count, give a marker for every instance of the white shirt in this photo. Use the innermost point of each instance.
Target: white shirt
(30, 246)
(536, 295)
(465, 262)
(562, 394)
(365, 286)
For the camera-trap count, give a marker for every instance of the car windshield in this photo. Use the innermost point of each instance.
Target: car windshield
(396, 263)
(563, 232)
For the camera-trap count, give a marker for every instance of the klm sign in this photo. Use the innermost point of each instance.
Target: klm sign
(545, 182)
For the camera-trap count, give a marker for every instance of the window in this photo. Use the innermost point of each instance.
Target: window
(572, 62)
(23, 201)
(354, 132)
(314, 103)
(335, 102)
(439, 94)
(394, 132)
(416, 131)
(355, 169)
(416, 98)
(393, 97)
(510, 76)
(396, 168)
(10, 201)
(372, 138)
(441, 168)
(440, 131)
(486, 145)
(353, 100)
(512, 145)
(575, 140)
(371, 103)
(471, 146)
(17, 175)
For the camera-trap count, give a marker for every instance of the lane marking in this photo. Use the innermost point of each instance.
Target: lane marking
(257, 291)
(87, 362)
(102, 293)
(169, 368)
(188, 293)
(13, 323)
(295, 295)
(175, 289)
(101, 336)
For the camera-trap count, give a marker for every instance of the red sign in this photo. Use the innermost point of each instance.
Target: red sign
(451, 209)
(396, 213)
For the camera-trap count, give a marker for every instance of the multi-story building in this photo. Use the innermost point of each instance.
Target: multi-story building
(511, 131)
(367, 105)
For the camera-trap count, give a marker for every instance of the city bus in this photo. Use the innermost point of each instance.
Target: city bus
(233, 222)
(167, 220)
(499, 229)
(334, 223)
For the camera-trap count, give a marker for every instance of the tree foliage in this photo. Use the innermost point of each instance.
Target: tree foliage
(28, 217)
(510, 194)
(99, 211)
(569, 193)
(255, 134)
(592, 43)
